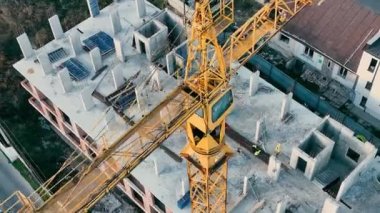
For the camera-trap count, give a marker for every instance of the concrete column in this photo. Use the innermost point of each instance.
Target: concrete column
(75, 43)
(96, 59)
(183, 188)
(86, 98)
(65, 80)
(254, 83)
(148, 202)
(170, 63)
(156, 79)
(47, 68)
(117, 77)
(56, 27)
(25, 45)
(141, 8)
(120, 54)
(259, 125)
(139, 99)
(156, 167)
(330, 206)
(59, 118)
(127, 187)
(115, 22)
(281, 207)
(93, 7)
(83, 146)
(274, 167)
(245, 186)
(285, 107)
(109, 119)
(33, 89)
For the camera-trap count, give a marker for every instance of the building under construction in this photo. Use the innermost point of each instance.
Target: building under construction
(114, 78)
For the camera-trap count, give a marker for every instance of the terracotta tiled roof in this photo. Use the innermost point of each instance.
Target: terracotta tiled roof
(339, 29)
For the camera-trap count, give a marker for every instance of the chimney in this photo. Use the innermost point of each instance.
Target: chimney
(56, 27)
(141, 10)
(96, 59)
(93, 7)
(45, 63)
(65, 80)
(115, 22)
(25, 45)
(75, 43)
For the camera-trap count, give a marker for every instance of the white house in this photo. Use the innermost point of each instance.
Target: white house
(339, 39)
(368, 86)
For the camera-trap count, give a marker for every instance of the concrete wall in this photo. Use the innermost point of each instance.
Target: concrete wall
(373, 103)
(353, 177)
(323, 158)
(347, 141)
(176, 61)
(295, 157)
(157, 35)
(316, 164)
(154, 37)
(177, 33)
(177, 5)
(331, 206)
(330, 127)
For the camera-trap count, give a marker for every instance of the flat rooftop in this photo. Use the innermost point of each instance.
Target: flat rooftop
(265, 104)
(166, 186)
(93, 121)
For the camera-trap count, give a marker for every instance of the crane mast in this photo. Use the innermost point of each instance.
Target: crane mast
(202, 102)
(206, 151)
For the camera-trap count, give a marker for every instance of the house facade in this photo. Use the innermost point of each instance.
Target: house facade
(368, 87)
(338, 38)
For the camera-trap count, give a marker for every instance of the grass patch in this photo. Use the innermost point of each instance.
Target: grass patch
(19, 165)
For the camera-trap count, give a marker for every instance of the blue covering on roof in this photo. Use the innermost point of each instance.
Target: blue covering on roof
(77, 71)
(125, 100)
(101, 40)
(57, 55)
(184, 201)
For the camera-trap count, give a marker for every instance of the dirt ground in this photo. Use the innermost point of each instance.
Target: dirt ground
(244, 9)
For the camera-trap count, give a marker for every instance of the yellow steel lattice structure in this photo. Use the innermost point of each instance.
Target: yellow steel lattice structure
(202, 102)
(256, 31)
(206, 151)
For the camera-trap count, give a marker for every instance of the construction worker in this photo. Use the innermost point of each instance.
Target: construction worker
(277, 149)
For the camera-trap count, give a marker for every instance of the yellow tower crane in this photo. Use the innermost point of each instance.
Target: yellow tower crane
(206, 150)
(203, 102)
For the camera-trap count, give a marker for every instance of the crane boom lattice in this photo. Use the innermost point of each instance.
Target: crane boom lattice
(203, 102)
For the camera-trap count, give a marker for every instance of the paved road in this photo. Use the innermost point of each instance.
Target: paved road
(11, 180)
